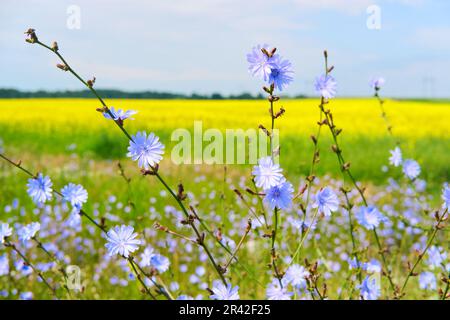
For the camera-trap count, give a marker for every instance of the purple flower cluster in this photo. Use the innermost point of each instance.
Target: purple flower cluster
(270, 67)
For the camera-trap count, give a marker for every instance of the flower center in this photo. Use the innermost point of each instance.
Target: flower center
(276, 193)
(275, 73)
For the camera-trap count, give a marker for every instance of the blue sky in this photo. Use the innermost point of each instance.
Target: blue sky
(200, 45)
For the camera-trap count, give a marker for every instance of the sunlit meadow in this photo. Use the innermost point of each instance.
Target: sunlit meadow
(67, 139)
(356, 209)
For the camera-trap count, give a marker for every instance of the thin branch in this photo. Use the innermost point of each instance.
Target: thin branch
(436, 228)
(11, 245)
(247, 230)
(345, 168)
(160, 227)
(89, 85)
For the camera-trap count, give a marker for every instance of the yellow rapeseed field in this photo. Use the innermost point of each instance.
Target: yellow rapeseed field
(357, 116)
(57, 126)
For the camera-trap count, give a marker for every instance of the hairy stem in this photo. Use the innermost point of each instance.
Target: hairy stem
(61, 266)
(422, 254)
(305, 235)
(82, 213)
(200, 237)
(139, 277)
(384, 115)
(160, 287)
(90, 87)
(273, 252)
(345, 169)
(247, 230)
(125, 132)
(447, 288)
(28, 263)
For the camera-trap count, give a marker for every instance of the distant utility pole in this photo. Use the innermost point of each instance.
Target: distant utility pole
(429, 87)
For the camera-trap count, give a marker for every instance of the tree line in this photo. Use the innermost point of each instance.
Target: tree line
(119, 94)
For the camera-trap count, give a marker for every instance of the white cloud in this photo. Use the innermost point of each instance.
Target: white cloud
(409, 2)
(432, 38)
(180, 45)
(267, 23)
(345, 6)
(351, 7)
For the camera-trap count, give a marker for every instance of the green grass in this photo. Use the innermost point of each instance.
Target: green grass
(49, 127)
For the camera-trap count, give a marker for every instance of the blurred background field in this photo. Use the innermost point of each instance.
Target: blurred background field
(192, 56)
(68, 140)
(61, 127)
